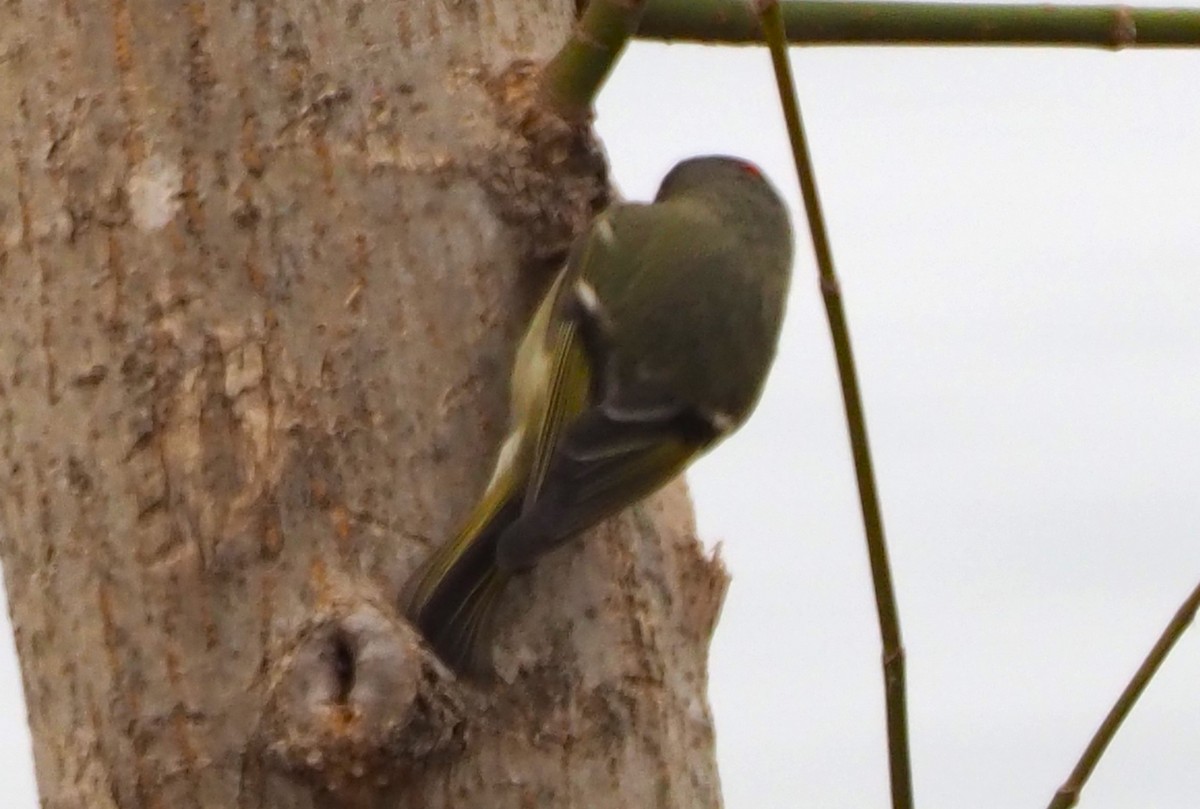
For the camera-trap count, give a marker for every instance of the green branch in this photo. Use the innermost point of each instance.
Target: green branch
(571, 80)
(881, 576)
(813, 22)
(1068, 794)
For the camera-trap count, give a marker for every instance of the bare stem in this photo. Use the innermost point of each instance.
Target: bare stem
(1068, 794)
(820, 22)
(572, 79)
(885, 597)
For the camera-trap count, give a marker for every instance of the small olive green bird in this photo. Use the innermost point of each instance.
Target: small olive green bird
(651, 346)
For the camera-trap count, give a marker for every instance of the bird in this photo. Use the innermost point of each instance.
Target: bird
(651, 346)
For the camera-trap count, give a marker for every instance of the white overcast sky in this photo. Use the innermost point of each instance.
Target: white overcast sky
(1018, 236)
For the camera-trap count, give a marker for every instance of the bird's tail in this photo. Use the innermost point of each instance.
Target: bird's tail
(452, 596)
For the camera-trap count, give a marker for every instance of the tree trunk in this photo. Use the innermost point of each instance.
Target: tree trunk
(262, 268)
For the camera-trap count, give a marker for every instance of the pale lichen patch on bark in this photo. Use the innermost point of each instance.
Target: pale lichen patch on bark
(153, 192)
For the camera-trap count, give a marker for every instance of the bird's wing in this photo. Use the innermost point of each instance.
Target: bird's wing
(576, 349)
(599, 448)
(605, 460)
(566, 395)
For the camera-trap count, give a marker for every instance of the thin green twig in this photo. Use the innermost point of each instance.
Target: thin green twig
(573, 77)
(885, 596)
(881, 575)
(1068, 794)
(820, 22)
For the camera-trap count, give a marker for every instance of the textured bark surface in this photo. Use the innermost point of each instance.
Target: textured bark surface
(262, 269)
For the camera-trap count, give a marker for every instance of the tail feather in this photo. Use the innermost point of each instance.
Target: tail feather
(452, 596)
(461, 640)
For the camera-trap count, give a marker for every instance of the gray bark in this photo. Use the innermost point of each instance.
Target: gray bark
(262, 269)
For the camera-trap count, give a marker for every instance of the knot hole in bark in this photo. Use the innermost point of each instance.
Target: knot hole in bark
(355, 704)
(343, 664)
